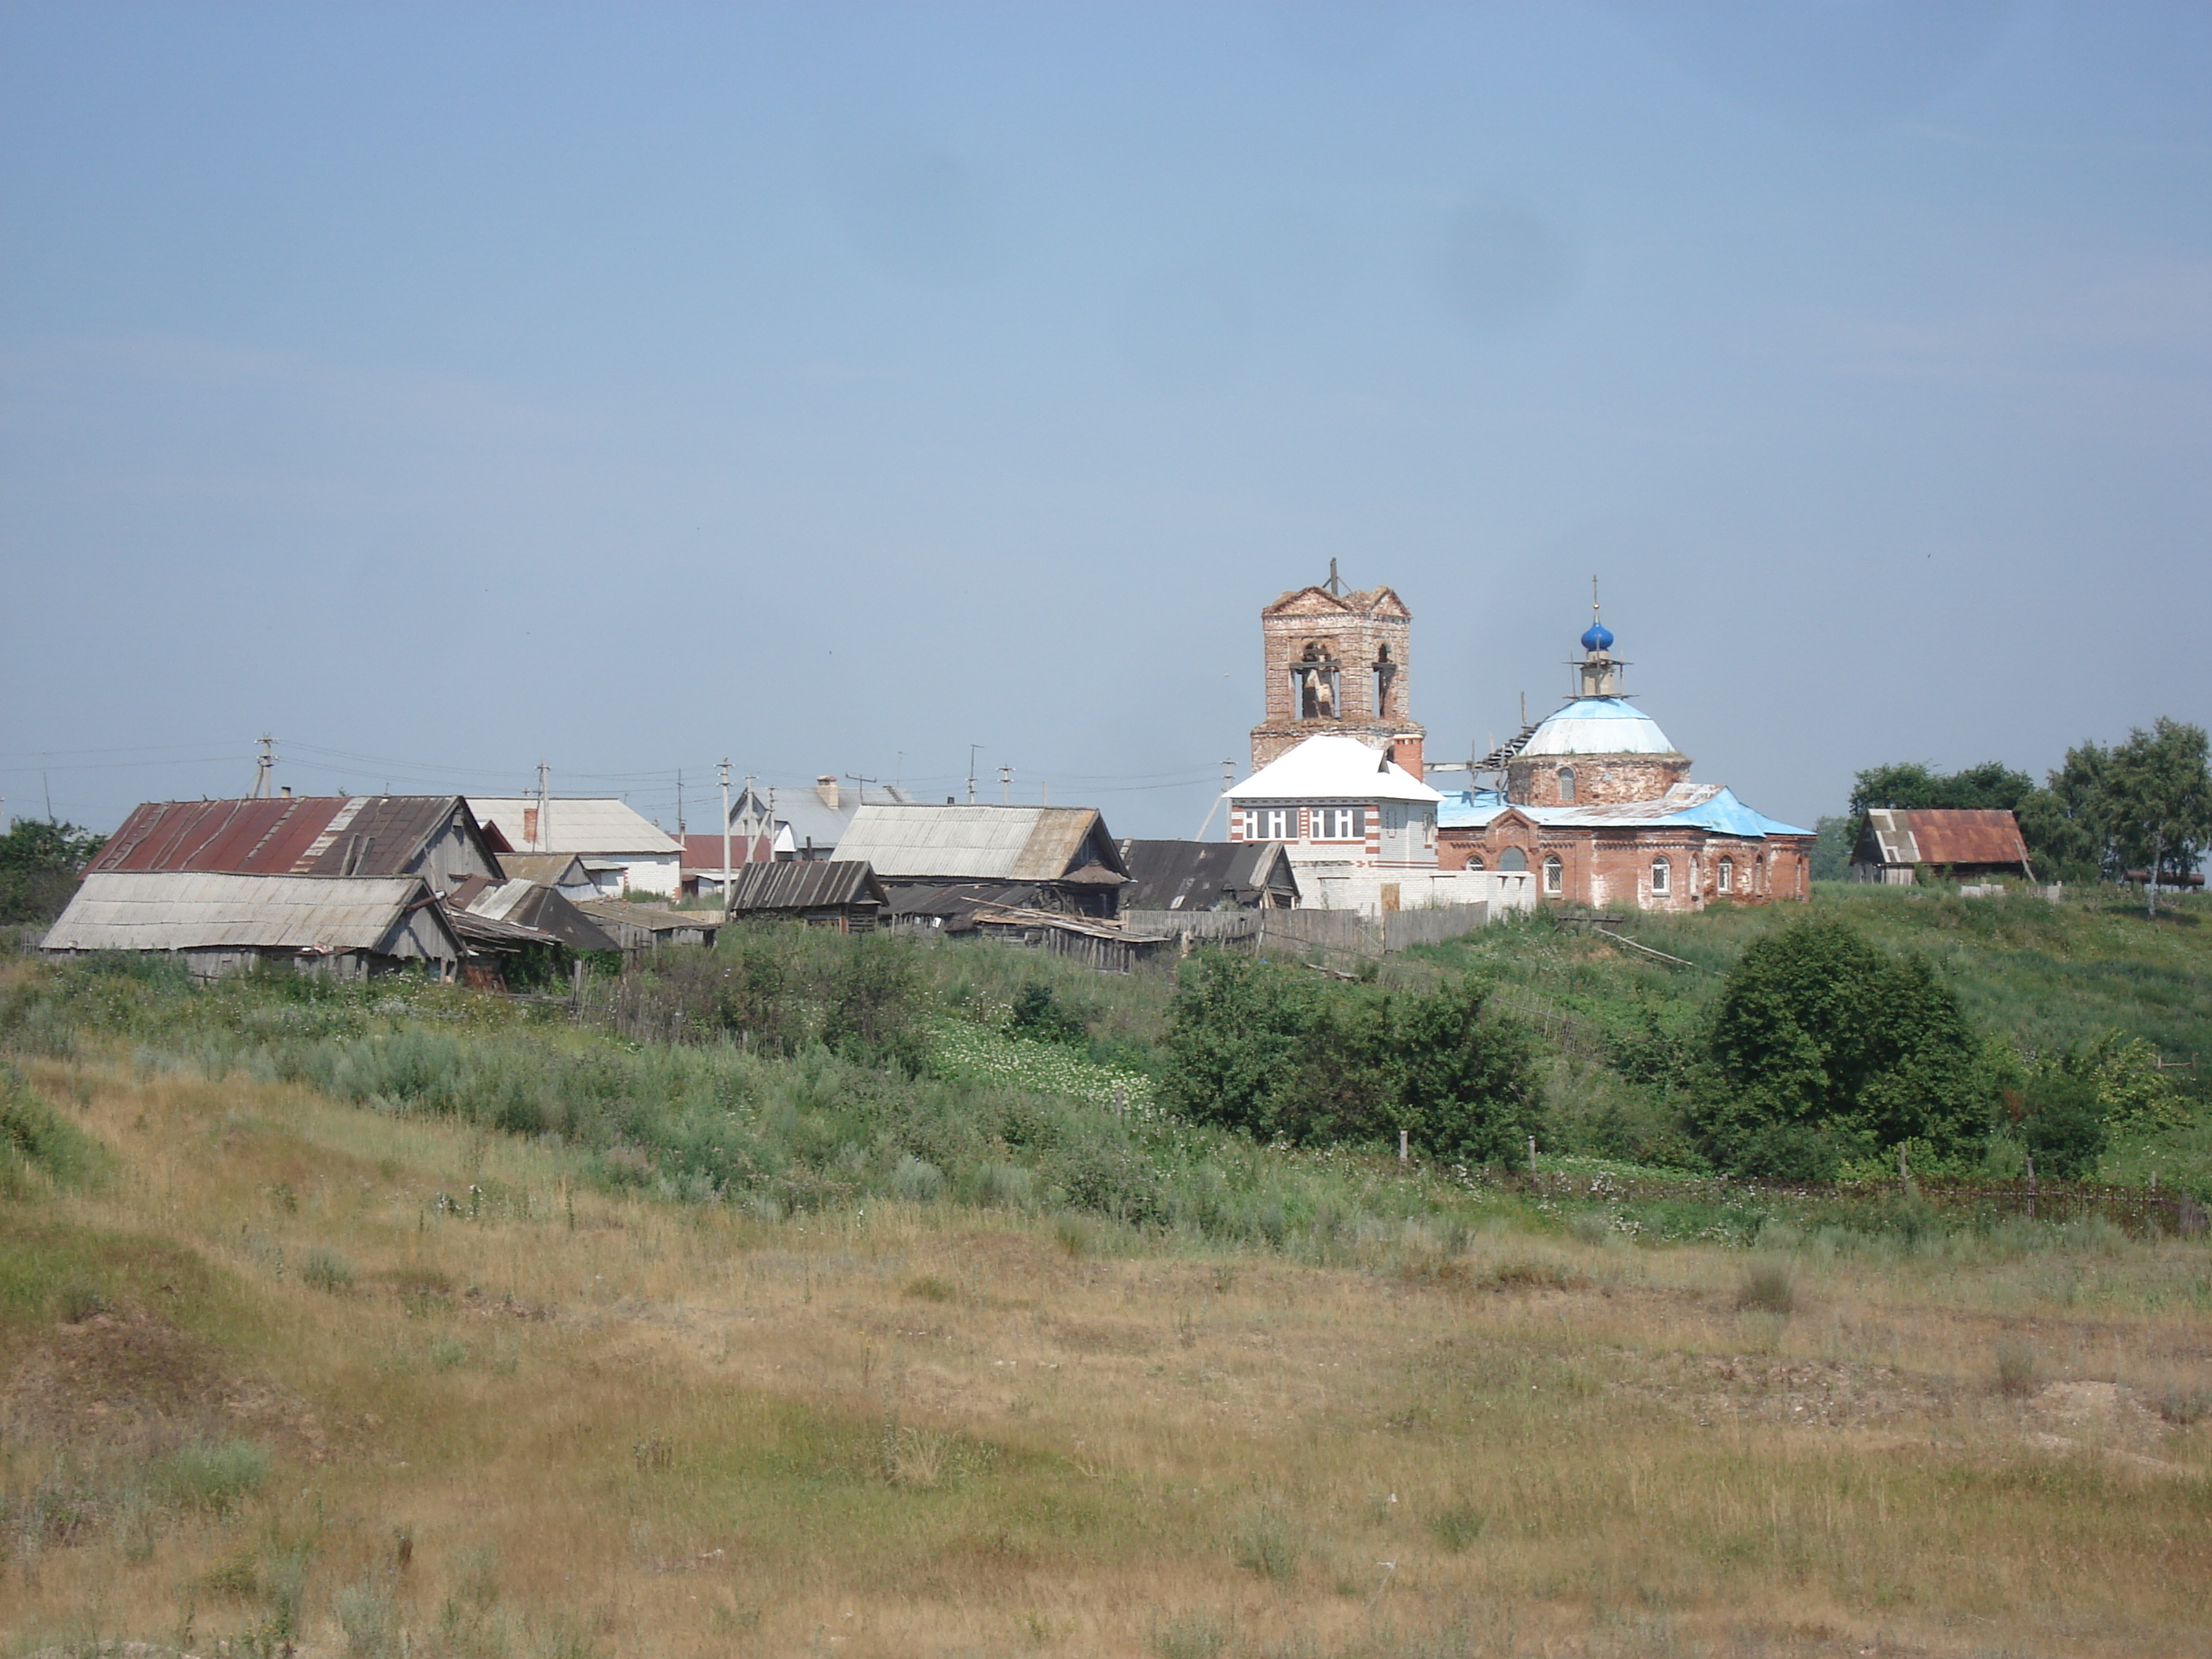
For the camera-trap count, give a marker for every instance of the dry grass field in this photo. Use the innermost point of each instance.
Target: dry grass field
(295, 1373)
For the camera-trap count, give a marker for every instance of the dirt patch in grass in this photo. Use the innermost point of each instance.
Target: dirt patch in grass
(131, 1373)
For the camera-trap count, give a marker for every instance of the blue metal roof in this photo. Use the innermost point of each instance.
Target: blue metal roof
(1698, 806)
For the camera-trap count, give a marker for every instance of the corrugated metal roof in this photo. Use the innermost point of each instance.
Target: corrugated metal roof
(805, 884)
(184, 910)
(572, 824)
(1333, 769)
(650, 918)
(1597, 726)
(304, 836)
(1954, 836)
(978, 844)
(1700, 806)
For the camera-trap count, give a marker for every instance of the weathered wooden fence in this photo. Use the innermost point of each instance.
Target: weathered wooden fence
(1345, 932)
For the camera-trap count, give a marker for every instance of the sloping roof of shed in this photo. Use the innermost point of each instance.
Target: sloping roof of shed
(805, 884)
(552, 869)
(1700, 806)
(1333, 769)
(1954, 836)
(649, 917)
(183, 910)
(574, 824)
(1199, 873)
(303, 835)
(705, 852)
(978, 844)
(544, 913)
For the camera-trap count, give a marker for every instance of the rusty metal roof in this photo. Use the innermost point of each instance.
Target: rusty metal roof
(805, 884)
(303, 835)
(1953, 836)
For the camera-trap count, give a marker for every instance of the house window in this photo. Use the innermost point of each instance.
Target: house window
(1662, 872)
(1278, 823)
(1342, 824)
(1724, 877)
(1513, 858)
(1567, 785)
(1555, 876)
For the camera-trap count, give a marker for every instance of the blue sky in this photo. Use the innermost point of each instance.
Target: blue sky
(443, 387)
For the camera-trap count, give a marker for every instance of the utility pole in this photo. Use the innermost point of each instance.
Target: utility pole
(748, 834)
(679, 806)
(726, 884)
(264, 768)
(863, 783)
(972, 748)
(1006, 786)
(1228, 781)
(544, 801)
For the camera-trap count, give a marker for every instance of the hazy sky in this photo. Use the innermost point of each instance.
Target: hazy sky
(446, 387)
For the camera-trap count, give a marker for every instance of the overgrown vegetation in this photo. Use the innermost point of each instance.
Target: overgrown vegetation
(40, 860)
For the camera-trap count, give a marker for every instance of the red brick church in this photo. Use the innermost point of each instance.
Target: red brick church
(1598, 803)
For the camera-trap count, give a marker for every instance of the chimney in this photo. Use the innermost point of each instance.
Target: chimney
(1405, 751)
(530, 824)
(287, 792)
(825, 789)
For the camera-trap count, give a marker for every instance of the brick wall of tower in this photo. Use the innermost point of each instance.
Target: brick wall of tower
(1352, 630)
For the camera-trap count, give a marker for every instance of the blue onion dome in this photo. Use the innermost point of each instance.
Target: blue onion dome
(1597, 637)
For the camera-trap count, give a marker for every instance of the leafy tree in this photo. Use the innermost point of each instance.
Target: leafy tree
(1824, 1048)
(2064, 821)
(1261, 1048)
(2157, 799)
(1039, 1013)
(1832, 848)
(1991, 786)
(39, 863)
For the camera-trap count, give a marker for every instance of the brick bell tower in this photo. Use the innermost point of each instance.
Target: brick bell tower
(1337, 662)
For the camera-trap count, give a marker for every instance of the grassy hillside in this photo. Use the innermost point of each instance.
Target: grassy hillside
(287, 1369)
(865, 1319)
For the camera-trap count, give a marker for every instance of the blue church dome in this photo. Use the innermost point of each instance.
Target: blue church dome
(1597, 637)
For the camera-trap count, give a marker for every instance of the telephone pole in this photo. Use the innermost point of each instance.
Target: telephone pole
(544, 801)
(1006, 786)
(264, 768)
(727, 883)
(972, 748)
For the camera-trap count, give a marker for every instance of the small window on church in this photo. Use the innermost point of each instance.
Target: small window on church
(1475, 862)
(1662, 872)
(1513, 858)
(1724, 877)
(1278, 823)
(1555, 876)
(1567, 785)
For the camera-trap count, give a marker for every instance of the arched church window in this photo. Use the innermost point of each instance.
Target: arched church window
(1475, 862)
(1555, 875)
(1724, 877)
(1567, 785)
(1662, 873)
(1513, 858)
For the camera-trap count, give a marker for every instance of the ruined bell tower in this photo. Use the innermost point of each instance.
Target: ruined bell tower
(1337, 662)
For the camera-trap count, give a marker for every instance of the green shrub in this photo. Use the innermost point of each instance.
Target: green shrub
(1457, 1527)
(211, 1474)
(1268, 1545)
(326, 1269)
(1768, 1287)
(1823, 1046)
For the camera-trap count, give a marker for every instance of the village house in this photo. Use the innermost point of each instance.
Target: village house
(620, 850)
(839, 893)
(1598, 803)
(437, 837)
(1208, 875)
(1894, 844)
(938, 863)
(218, 922)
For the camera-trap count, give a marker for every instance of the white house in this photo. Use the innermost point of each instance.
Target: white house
(620, 850)
(1361, 831)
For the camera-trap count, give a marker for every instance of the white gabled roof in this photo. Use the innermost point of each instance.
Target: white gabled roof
(601, 826)
(1333, 768)
(194, 909)
(1597, 726)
